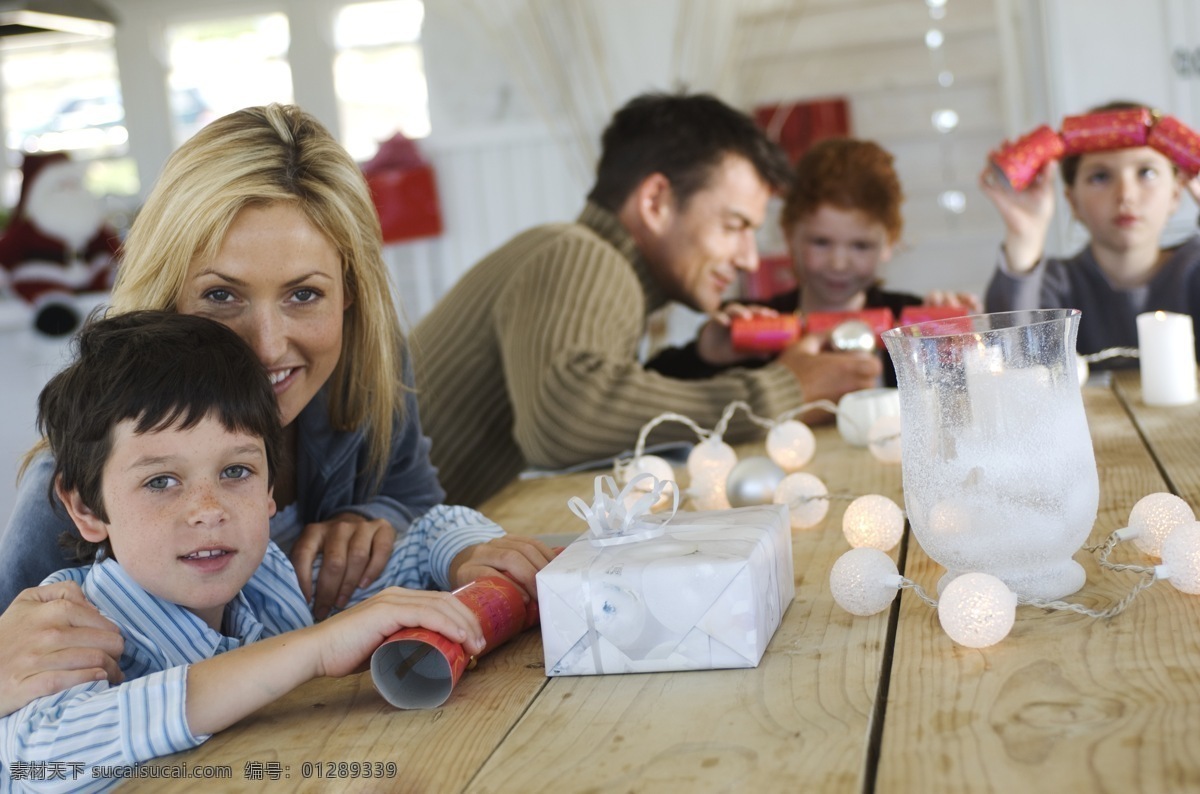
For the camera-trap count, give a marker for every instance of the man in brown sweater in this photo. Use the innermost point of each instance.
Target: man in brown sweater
(532, 357)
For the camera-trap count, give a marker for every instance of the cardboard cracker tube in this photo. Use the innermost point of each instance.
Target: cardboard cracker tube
(1020, 161)
(417, 668)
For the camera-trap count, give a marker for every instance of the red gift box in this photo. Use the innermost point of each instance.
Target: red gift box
(1179, 142)
(764, 334)
(1116, 129)
(1020, 161)
(879, 319)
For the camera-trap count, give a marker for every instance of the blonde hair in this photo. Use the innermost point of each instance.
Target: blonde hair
(260, 156)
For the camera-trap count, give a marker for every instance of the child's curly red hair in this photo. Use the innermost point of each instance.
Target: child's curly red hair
(849, 174)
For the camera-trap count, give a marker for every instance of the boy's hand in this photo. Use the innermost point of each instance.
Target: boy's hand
(828, 375)
(513, 556)
(54, 640)
(348, 639)
(714, 343)
(1026, 214)
(227, 687)
(959, 300)
(354, 552)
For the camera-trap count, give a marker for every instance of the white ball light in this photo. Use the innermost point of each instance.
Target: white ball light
(1153, 518)
(753, 481)
(711, 459)
(791, 445)
(805, 496)
(949, 518)
(883, 439)
(864, 581)
(708, 494)
(1181, 558)
(977, 610)
(858, 410)
(656, 466)
(873, 521)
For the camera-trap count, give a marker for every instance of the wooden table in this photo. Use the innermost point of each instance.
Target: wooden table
(839, 704)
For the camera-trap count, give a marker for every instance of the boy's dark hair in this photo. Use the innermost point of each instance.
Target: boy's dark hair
(683, 137)
(158, 369)
(1069, 166)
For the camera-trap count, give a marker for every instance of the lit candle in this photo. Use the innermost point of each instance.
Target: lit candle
(1167, 352)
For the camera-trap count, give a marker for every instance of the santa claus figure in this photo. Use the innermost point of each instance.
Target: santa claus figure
(57, 244)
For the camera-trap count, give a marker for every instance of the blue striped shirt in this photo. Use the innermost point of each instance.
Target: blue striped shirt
(57, 742)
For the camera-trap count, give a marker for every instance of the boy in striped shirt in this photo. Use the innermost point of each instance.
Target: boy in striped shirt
(165, 433)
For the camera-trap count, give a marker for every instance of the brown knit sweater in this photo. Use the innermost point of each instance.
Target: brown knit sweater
(531, 358)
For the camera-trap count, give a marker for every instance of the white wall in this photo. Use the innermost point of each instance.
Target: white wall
(501, 167)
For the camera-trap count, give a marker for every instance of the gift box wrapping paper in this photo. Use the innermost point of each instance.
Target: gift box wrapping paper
(707, 593)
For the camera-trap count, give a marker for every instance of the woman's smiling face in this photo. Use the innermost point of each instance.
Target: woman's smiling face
(277, 281)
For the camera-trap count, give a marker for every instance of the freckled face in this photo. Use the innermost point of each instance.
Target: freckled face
(277, 281)
(836, 254)
(188, 512)
(702, 246)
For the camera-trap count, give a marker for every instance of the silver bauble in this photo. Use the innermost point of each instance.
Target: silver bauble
(852, 336)
(753, 482)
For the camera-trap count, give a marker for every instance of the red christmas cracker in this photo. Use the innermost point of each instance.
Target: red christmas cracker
(764, 334)
(879, 319)
(1179, 142)
(1115, 129)
(418, 668)
(911, 315)
(1020, 161)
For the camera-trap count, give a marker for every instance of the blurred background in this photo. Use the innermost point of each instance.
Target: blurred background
(502, 102)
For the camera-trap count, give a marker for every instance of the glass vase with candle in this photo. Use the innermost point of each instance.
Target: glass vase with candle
(998, 469)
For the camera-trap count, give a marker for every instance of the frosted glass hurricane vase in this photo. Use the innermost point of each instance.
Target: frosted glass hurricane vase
(998, 469)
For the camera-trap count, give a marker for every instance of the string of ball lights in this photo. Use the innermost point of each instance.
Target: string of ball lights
(978, 610)
(975, 609)
(718, 480)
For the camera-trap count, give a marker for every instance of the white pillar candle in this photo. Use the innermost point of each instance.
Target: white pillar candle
(1167, 352)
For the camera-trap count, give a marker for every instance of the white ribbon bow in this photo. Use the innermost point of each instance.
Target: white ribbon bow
(611, 522)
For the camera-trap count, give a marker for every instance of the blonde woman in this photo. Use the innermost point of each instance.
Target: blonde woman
(264, 223)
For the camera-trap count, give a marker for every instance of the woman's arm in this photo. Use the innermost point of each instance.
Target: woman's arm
(54, 640)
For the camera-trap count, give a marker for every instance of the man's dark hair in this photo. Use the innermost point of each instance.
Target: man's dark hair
(158, 369)
(684, 137)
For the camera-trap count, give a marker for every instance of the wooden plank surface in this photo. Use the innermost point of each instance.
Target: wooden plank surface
(329, 721)
(1172, 434)
(1067, 702)
(804, 715)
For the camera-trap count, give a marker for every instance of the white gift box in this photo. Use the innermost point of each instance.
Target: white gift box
(707, 593)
